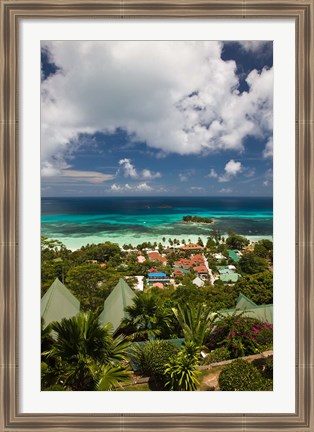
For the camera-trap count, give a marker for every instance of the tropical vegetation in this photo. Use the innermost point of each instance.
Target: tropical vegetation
(166, 334)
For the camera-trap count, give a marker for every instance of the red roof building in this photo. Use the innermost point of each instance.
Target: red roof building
(192, 246)
(155, 256)
(201, 270)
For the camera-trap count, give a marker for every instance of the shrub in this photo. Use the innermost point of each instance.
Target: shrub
(240, 335)
(264, 366)
(241, 375)
(55, 387)
(217, 355)
(182, 372)
(155, 355)
(264, 337)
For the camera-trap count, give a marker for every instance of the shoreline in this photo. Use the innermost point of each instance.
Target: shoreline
(74, 243)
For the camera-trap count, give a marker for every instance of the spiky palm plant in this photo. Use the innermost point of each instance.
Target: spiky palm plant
(85, 352)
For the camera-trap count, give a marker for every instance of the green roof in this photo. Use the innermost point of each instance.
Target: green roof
(229, 277)
(114, 305)
(250, 309)
(58, 303)
(244, 302)
(232, 254)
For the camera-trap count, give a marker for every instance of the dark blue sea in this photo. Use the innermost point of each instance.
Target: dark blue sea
(124, 220)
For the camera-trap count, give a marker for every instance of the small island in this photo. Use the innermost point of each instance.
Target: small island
(197, 219)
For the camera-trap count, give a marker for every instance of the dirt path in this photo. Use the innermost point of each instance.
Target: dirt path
(210, 381)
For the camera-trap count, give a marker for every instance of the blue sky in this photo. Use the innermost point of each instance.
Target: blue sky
(156, 118)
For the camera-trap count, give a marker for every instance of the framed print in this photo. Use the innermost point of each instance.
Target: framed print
(56, 58)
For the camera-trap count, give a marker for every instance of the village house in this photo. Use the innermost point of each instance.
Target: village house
(152, 278)
(155, 256)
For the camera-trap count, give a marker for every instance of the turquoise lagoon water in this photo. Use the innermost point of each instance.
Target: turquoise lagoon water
(79, 221)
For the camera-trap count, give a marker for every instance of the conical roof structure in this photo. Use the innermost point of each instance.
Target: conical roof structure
(244, 302)
(58, 303)
(114, 305)
(262, 312)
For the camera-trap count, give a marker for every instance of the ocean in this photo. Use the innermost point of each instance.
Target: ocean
(134, 220)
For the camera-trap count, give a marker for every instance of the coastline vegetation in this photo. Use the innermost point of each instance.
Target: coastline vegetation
(198, 219)
(171, 333)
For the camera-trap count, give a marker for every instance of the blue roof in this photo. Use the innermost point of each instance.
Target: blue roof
(157, 275)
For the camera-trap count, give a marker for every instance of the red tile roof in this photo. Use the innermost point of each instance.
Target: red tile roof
(200, 269)
(155, 256)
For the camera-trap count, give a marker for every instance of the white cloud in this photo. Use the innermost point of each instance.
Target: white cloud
(225, 190)
(61, 171)
(149, 175)
(232, 168)
(141, 187)
(49, 170)
(268, 178)
(176, 96)
(252, 45)
(87, 176)
(130, 171)
(197, 188)
(128, 167)
(268, 151)
(212, 174)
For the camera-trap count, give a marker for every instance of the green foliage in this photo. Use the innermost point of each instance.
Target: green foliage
(188, 292)
(235, 241)
(264, 366)
(111, 377)
(153, 357)
(264, 249)
(55, 387)
(197, 219)
(181, 371)
(81, 351)
(84, 282)
(257, 287)
(241, 375)
(239, 334)
(147, 318)
(195, 321)
(221, 296)
(103, 253)
(251, 264)
(217, 355)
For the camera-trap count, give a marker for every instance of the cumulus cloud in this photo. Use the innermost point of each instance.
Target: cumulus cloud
(176, 96)
(141, 187)
(212, 174)
(252, 45)
(268, 178)
(232, 168)
(225, 190)
(129, 170)
(268, 151)
(144, 187)
(149, 175)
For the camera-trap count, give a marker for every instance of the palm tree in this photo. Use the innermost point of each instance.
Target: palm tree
(195, 321)
(181, 371)
(146, 318)
(86, 354)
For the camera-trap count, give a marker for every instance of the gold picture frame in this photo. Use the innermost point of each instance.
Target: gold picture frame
(302, 12)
